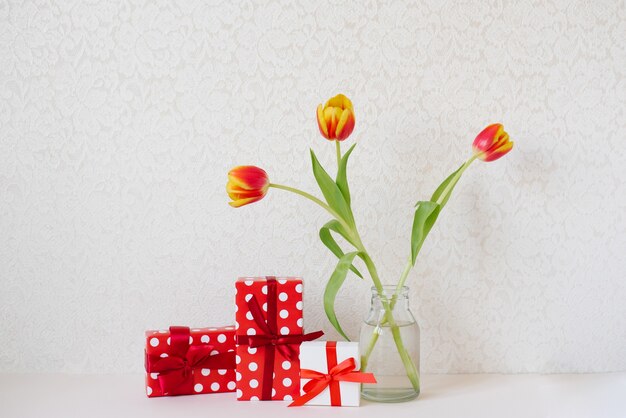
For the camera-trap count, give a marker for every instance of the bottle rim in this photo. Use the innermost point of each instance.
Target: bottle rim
(389, 290)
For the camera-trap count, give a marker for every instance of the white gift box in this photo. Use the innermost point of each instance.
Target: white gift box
(313, 357)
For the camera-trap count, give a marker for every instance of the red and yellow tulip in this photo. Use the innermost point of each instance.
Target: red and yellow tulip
(336, 118)
(492, 143)
(246, 184)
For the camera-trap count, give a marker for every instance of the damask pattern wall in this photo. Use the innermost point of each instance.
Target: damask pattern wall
(120, 119)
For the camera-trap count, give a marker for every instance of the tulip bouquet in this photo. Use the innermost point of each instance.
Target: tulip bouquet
(336, 121)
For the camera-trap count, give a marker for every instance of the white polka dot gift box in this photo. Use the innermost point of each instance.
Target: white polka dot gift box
(330, 374)
(268, 336)
(183, 361)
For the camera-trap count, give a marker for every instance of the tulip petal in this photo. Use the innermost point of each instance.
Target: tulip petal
(235, 192)
(485, 139)
(342, 121)
(336, 115)
(340, 101)
(248, 177)
(242, 202)
(347, 103)
(498, 153)
(328, 120)
(345, 125)
(236, 181)
(502, 139)
(321, 122)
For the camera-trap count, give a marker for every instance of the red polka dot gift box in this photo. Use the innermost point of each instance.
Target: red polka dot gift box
(183, 361)
(269, 332)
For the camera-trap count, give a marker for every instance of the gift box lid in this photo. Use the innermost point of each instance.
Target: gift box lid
(313, 354)
(262, 279)
(223, 338)
(192, 331)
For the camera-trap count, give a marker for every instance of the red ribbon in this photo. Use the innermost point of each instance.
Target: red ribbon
(177, 369)
(270, 338)
(342, 372)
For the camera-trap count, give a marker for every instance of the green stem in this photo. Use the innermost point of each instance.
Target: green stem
(399, 286)
(370, 347)
(314, 200)
(403, 276)
(338, 148)
(456, 178)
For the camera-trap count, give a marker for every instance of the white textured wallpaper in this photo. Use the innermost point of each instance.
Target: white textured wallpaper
(120, 120)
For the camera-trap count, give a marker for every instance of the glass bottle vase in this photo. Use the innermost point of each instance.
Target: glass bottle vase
(390, 347)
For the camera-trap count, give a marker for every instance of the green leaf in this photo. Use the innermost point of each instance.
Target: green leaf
(443, 186)
(328, 240)
(426, 212)
(332, 288)
(342, 178)
(331, 192)
(425, 216)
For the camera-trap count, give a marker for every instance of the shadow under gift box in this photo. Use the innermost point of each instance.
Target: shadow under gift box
(265, 372)
(190, 361)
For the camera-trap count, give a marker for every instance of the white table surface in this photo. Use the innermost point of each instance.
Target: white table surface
(484, 395)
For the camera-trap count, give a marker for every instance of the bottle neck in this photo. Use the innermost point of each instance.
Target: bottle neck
(398, 301)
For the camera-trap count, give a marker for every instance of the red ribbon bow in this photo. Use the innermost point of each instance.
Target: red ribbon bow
(271, 338)
(342, 372)
(177, 369)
